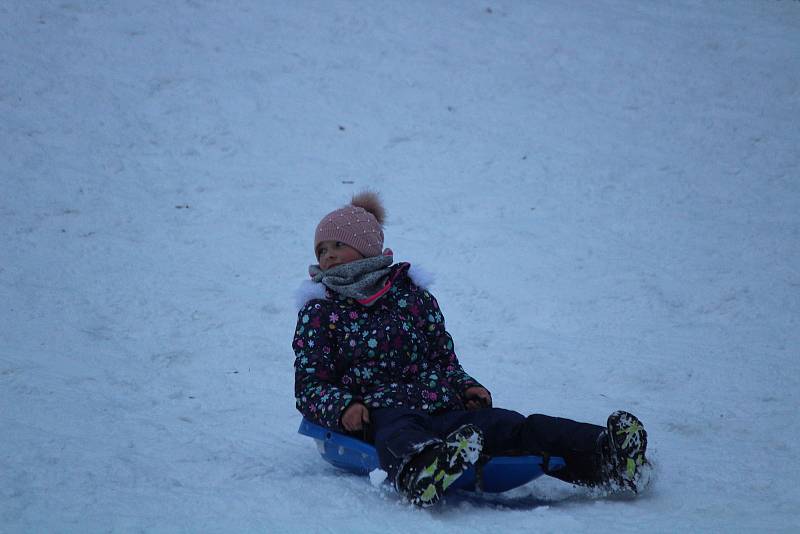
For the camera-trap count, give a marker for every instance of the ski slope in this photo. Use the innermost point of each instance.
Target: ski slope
(608, 193)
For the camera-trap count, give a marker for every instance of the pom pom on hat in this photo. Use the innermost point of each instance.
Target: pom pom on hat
(359, 224)
(371, 202)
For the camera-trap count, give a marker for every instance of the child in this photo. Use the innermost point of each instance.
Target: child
(373, 357)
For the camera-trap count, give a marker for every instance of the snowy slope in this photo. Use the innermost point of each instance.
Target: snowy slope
(608, 192)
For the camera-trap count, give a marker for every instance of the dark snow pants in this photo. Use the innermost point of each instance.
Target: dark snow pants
(399, 433)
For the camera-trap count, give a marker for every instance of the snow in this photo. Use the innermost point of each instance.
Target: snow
(607, 192)
(377, 477)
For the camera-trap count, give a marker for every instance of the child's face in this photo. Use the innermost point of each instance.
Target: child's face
(333, 253)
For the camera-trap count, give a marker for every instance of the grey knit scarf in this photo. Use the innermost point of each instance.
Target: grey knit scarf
(358, 279)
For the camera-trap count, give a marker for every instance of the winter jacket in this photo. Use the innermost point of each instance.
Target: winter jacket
(393, 353)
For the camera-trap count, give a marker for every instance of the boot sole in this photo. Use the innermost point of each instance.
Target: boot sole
(629, 442)
(461, 449)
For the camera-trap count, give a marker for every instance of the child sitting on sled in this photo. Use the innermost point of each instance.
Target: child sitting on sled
(373, 357)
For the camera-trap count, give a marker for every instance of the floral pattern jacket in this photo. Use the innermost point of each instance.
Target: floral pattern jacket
(393, 353)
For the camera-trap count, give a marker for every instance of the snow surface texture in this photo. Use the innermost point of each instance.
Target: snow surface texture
(608, 193)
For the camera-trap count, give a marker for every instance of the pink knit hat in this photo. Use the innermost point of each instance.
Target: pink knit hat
(359, 224)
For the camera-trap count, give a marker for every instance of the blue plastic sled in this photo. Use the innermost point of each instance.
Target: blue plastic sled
(500, 473)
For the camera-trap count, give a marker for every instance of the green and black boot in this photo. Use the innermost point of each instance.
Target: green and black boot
(431, 472)
(626, 465)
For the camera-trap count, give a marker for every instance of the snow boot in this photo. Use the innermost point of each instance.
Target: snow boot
(623, 445)
(432, 471)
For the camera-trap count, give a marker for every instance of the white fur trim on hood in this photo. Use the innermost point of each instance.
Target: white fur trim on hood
(308, 291)
(422, 278)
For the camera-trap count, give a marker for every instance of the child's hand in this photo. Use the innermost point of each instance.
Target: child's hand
(477, 397)
(355, 416)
